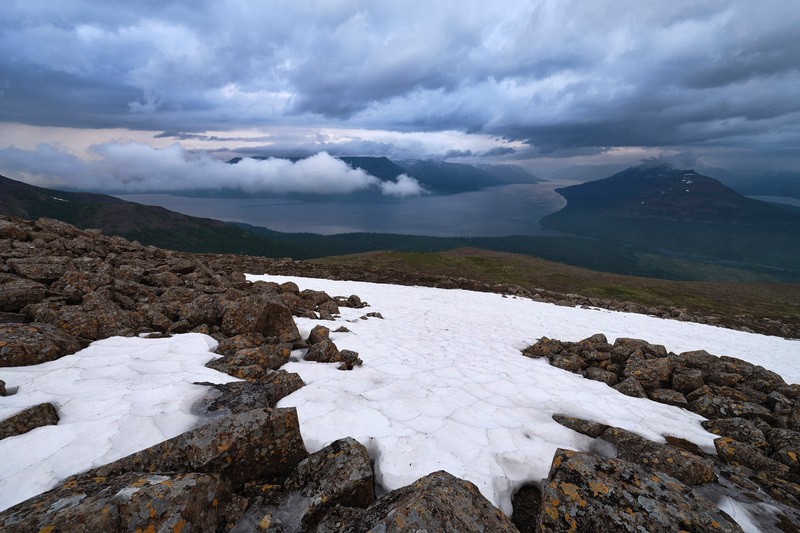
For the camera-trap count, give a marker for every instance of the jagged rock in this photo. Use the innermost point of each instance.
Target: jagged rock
(684, 466)
(651, 373)
(647, 349)
(699, 359)
(586, 427)
(786, 446)
(711, 406)
(527, 504)
(631, 387)
(263, 313)
(740, 454)
(341, 329)
(339, 474)
(328, 308)
(232, 345)
(686, 380)
(16, 293)
(544, 347)
(42, 269)
(31, 418)
(588, 493)
(598, 374)
(349, 359)
(260, 444)
(319, 334)
(325, 351)
(669, 397)
(270, 356)
(3, 391)
(739, 429)
(31, 344)
(437, 502)
(241, 396)
(338, 519)
(131, 502)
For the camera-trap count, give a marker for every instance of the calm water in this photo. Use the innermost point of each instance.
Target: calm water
(497, 211)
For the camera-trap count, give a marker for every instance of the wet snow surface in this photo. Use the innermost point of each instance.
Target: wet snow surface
(443, 386)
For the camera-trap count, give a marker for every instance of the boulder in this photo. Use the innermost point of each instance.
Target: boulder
(786, 444)
(271, 356)
(631, 387)
(16, 293)
(598, 374)
(675, 462)
(241, 396)
(256, 445)
(739, 429)
(711, 406)
(131, 502)
(339, 474)
(3, 391)
(544, 347)
(436, 502)
(669, 397)
(569, 362)
(29, 419)
(651, 373)
(319, 334)
(737, 453)
(686, 380)
(588, 493)
(44, 269)
(233, 344)
(31, 344)
(263, 313)
(289, 287)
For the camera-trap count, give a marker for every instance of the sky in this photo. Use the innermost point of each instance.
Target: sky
(116, 94)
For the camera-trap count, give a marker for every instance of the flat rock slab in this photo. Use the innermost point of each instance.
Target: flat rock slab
(131, 502)
(32, 344)
(242, 396)
(257, 445)
(588, 493)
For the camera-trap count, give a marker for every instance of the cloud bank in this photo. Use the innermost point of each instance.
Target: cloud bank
(137, 167)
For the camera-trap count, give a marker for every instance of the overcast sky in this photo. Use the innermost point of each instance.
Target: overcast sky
(546, 84)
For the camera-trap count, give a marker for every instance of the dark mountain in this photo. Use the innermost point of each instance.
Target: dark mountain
(448, 178)
(380, 167)
(682, 212)
(766, 183)
(509, 173)
(147, 224)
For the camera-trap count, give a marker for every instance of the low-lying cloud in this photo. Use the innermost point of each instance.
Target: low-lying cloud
(136, 167)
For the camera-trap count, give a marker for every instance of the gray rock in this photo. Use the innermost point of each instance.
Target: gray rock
(684, 466)
(686, 380)
(598, 374)
(318, 334)
(586, 427)
(669, 397)
(438, 502)
(241, 396)
(131, 502)
(339, 474)
(631, 387)
(739, 429)
(588, 493)
(257, 445)
(16, 293)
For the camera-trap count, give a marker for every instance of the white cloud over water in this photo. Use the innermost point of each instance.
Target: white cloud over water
(138, 167)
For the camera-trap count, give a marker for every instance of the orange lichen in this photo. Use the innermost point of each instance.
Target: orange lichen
(179, 526)
(573, 492)
(598, 488)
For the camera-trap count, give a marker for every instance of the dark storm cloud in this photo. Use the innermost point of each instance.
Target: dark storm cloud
(557, 75)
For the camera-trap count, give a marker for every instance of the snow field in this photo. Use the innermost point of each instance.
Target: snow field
(118, 396)
(444, 385)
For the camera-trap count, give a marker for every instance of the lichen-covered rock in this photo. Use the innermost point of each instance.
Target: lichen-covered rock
(544, 347)
(437, 502)
(319, 334)
(645, 348)
(569, 362)
(339, 474)
(686, 380)
(260, 444)
(231, 345)
(271, 356)
(739, 429)
(598, 374)
(651, 373)
(29, 419)
(16, 293)
(669, 397)
(684, 466)
(44, 269)
(740, 454)
(588, 493)
(31, 344)
(631, 387)
(131, 502)
(241, 396)
(325, 351)
(712, 406)
(586, 427)
(262, 313)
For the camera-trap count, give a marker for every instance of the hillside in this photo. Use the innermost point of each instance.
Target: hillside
(681, 212)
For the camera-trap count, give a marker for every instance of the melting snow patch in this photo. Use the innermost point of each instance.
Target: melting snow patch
(444, 385)
(116, 397)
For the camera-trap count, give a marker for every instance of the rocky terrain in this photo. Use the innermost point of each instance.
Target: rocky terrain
(247, 469)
